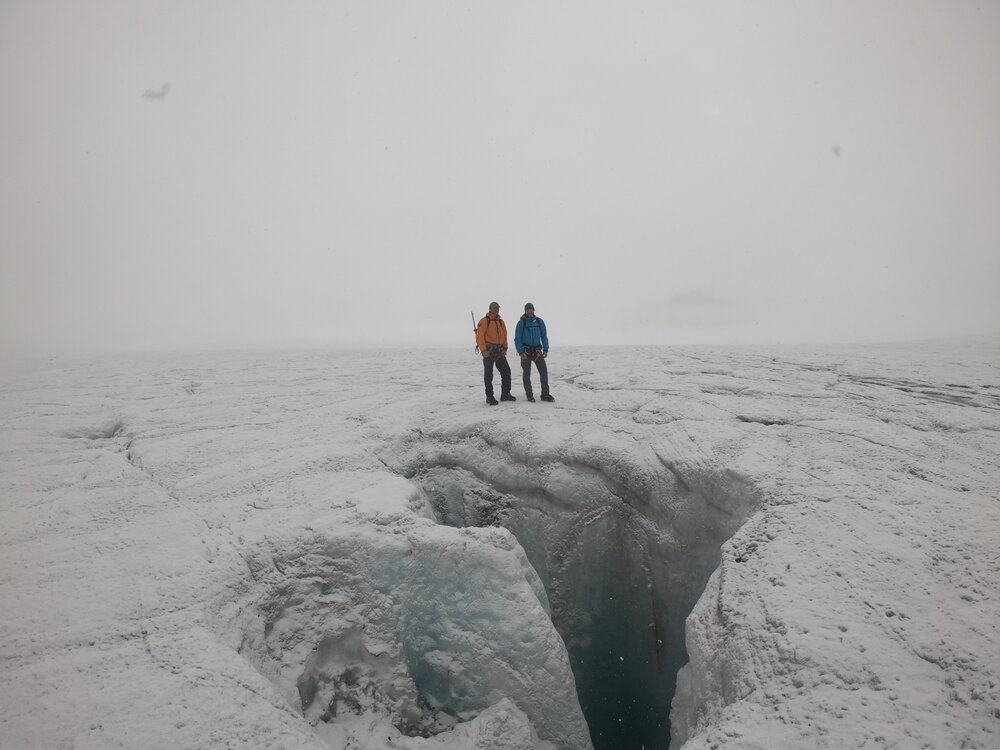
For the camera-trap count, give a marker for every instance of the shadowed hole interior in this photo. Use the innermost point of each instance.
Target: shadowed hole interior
(623, 565)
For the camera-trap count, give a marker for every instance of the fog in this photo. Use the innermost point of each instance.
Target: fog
(186, 176)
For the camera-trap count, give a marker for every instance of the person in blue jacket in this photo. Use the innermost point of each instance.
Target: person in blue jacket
(532, 344)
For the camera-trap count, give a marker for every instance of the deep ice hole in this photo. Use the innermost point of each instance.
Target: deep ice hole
(623, 550)
(622, 539)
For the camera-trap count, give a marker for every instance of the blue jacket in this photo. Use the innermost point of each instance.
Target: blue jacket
(530, 332)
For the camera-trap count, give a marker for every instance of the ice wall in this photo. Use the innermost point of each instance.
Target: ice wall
(422, 625)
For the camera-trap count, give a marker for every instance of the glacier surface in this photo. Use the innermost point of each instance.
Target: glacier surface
(697, 547)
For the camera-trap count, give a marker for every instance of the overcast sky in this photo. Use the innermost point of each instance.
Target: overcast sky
(233, 174)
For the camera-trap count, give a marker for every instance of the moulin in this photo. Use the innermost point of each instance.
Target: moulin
(624, 543)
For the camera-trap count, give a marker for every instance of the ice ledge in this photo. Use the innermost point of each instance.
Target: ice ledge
(849, 624)
(428, 627)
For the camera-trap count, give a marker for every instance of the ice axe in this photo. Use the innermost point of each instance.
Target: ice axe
(474, 329)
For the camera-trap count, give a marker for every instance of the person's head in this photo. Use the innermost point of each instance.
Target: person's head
(529, 310)
(495, 308)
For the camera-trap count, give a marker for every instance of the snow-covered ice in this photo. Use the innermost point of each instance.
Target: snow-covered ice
(350, 549)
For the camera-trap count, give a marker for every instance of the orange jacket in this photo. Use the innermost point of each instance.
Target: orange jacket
(491, 331)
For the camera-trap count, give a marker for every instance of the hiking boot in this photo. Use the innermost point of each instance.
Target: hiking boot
(547, 397)
(507, 397)
(491, 401)
(530, 398)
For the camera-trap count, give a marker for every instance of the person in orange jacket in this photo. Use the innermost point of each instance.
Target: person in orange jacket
(491, 338)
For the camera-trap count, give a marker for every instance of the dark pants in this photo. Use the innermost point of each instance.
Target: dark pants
(535, 355)
(501, 363)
